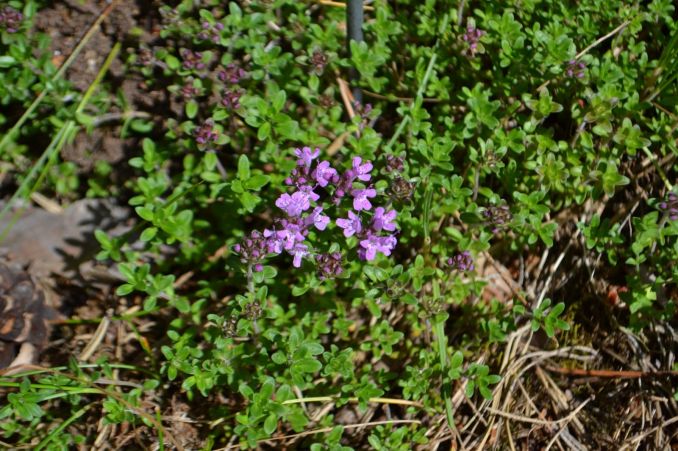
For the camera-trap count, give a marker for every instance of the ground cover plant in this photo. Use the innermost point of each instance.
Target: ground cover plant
(478, 254)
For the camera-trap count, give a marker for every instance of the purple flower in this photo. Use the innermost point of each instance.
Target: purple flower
(329, 265)
(361, 198)
(318, 61)
(383, 221)
(295, 204)
(299, 251)
(290, 234)
(575, 69)
(324, 173)
(298, 177)
(351, 226)
(362, 171)
(206, 133)
(253, 248)
(211, 32)
(232, 73)
(306, 156)
(307, 190)
(462, 261)
(10, 19)
(394, 163)
(362, 112)
(373, 244)
(318, 219)
(472, 38)
(497, 216)
(192, 60)
(344, 185)
(231, 99)
(274, 244)
(670, 206)
(188, 91)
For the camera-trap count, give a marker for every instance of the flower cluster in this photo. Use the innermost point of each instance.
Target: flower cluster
(373, 226)
(670, 206)
(497, 217)
(319, 61)
(145, 57)
(462, 262)
(394, 163)
(211, 32)
(363, 112)
(231, 74)
(575, 69)
(10, 19)
(189, 90)
(231, 99)
(329, 265)
(192, 60)
(253, 249)
(206, 133)
(401, 189)
(472, 38)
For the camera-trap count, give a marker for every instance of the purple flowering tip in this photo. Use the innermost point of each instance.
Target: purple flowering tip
(324, 173)
(298, 252)
(351, 226)
(295, 204)
(306, 156)
(307, 191)
(383, 220)
(329, 265)
(274, 245)
(361, 198)
(319, 220)
(462, 261)
(362, 170)
(373, 244)
(289, 235)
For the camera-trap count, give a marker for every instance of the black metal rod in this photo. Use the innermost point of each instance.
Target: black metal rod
(354, 21)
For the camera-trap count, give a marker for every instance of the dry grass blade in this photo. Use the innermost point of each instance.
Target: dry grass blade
(328, 429)
(96, 340)
(346, 97)
(523, 419)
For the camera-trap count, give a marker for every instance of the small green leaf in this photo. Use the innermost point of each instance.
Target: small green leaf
(145, 213)
(256, 182)
(264, 131)
(210, 161)
(6, 61)
(172, 62)
(243, 167)
(124, 289)
(149, 234)
(270, 424)
(279, 100)
(249, 201)
(191, 109)
(307, 365)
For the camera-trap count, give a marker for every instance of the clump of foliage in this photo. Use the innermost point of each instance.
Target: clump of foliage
(343, 256)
